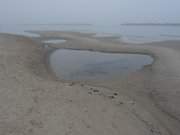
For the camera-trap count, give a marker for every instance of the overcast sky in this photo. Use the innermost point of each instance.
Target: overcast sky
(89, 11)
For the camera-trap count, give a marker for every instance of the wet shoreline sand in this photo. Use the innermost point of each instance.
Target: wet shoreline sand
(33, 101)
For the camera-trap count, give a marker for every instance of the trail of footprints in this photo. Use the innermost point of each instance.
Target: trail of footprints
(95, 91)
(123, 101)
(113, 95)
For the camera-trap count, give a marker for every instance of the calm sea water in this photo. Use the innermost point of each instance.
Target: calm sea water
(136, 34)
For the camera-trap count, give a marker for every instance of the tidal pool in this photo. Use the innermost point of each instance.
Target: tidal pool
(102, 35)
(78, 65)
(54, 41)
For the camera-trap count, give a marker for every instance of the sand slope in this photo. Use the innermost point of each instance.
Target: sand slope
(33, 101)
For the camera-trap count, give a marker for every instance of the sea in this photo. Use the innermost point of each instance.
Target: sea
(125, 33)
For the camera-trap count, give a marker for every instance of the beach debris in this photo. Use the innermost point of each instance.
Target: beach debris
(111, 97)
(36, 123)
(85, 109)
(71, 84)
(95, 90)
(115, 94)
(70, 100)
(90, 92)
(121, 103)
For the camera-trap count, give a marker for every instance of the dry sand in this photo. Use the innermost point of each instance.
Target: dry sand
(34, 102)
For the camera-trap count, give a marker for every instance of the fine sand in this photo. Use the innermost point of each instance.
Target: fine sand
(34, 102)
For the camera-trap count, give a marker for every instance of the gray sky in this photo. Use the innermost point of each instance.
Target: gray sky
(89, 11)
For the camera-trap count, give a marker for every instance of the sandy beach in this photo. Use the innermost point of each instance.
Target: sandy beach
(33, 101)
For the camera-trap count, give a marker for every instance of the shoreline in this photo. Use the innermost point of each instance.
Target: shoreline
(133, 90)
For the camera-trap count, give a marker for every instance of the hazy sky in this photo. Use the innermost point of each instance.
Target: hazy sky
(89, 11)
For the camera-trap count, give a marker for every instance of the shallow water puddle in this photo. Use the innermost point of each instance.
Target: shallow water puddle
(30, 34)
(87, 65)
(102, 35)
(54, 41)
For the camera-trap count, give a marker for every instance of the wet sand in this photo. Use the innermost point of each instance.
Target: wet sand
(34, 101)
